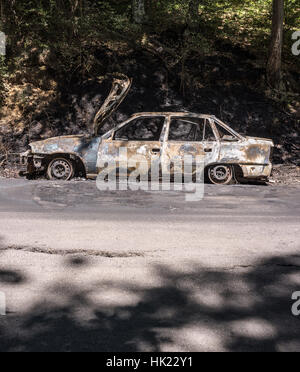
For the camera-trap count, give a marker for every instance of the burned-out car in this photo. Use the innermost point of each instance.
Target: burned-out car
(164, 136)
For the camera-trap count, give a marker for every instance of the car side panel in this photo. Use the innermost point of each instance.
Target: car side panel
(138, 154)
(85, 148)
(245, 152)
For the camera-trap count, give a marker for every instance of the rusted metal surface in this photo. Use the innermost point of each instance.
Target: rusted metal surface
(118, 93)
(251, 155)
(83, 148)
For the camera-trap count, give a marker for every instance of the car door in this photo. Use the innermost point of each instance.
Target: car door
(189, 138)
(134, 146)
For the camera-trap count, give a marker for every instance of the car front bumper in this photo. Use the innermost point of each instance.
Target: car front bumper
(30, 164)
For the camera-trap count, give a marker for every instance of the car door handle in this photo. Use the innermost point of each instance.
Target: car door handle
(155, 151)
(207, 150)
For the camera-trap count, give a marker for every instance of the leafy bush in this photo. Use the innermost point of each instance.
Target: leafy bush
(70, 32)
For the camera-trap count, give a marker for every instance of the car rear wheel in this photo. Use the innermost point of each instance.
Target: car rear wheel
(220, 174)
(60, 169)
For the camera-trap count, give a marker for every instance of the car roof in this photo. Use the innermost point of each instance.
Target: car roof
(184, 113)
(187, 114)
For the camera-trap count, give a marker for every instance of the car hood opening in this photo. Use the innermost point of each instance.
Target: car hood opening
(120, 88)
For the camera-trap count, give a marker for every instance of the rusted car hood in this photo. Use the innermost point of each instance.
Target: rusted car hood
(59, 144)
(118, 93)
(119, 90)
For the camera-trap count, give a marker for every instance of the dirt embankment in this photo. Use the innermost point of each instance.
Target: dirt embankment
(230, 85)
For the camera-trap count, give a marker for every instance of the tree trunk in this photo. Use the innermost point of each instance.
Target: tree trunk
(275, 56)
(138, 11)
(194, 8)
(151, 8)
(1, 12)
(193, 14)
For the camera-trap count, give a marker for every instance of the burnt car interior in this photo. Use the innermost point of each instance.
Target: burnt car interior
(225, 135)
(191, 130)
(141, 129)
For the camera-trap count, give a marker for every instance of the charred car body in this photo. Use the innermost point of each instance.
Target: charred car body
(165, 136)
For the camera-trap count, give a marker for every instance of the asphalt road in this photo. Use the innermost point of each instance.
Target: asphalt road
(148, 271)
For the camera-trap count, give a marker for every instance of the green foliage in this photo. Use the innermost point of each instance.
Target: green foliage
(69, 31)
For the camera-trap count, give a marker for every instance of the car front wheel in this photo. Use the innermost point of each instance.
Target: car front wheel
(60, 169)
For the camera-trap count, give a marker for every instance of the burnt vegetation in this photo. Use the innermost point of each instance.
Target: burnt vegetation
(207, 57)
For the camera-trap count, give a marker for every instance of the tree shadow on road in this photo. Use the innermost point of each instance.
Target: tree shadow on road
(196, 309)
(10, 276)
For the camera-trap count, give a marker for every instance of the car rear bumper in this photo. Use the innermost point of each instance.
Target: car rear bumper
(257, 171)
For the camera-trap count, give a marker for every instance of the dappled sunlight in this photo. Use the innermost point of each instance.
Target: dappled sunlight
(194, 309)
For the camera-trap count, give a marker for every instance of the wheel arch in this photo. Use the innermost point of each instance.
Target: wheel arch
(236, 169)
(79, 165)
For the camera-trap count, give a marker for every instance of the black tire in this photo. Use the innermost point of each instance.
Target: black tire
(60, 169)
(220, 174)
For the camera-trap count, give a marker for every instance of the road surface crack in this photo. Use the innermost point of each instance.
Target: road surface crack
(262, 265)
(68, 252)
